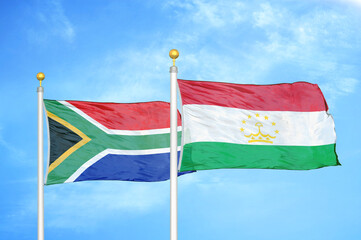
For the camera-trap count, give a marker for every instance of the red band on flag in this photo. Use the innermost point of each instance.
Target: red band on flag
(128, 116)
(298, 97)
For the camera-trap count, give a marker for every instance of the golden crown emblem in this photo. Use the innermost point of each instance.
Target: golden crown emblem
(259, 136)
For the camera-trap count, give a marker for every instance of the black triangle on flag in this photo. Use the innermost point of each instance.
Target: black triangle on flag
(61, 139)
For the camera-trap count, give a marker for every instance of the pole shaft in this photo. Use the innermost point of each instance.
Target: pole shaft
(173, 155)
(40, 91)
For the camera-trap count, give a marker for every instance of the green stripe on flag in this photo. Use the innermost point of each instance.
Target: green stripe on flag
(216, 155)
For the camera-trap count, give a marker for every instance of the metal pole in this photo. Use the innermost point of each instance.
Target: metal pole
(40, 90)
(173, 148)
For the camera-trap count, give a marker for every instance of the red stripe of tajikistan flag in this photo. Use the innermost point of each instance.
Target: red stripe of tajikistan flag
(282, 126)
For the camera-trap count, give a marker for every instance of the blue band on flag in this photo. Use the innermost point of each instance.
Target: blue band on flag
(139, 168)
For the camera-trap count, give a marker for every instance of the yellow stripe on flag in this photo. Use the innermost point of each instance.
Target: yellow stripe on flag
(85, 139)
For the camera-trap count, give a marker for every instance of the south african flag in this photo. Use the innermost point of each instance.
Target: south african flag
(108, 141)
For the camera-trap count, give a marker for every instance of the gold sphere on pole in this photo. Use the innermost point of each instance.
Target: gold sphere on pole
(173, 54)
(40, 76)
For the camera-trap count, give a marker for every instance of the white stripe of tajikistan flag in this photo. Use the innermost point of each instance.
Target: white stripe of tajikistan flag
(283, 126)
(222, 124)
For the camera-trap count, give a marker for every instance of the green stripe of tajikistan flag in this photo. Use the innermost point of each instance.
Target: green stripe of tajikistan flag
(282, 126)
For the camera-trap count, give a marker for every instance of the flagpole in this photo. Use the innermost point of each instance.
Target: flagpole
(40, 76)
(173, 148)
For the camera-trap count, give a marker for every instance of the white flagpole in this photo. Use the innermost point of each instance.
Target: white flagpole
(173, 148)
(40, 76)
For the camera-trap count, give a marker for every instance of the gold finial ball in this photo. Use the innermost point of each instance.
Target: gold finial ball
(173, 53)
(40, 76)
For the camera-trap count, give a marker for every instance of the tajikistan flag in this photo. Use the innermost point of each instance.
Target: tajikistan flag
(281, 126)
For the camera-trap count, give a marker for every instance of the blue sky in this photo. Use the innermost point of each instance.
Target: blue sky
(118, 51)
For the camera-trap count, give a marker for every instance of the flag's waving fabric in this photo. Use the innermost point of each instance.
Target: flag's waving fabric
(108, 141)
(281, 126)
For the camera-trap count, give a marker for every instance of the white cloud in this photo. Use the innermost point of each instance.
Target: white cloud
(352, 2)
(13, 152)
(338, 87)
(267, 16)
(134, 75)
(84, 205)
(348, 85)
(210, 13)
(220, 186)
(52, 22)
